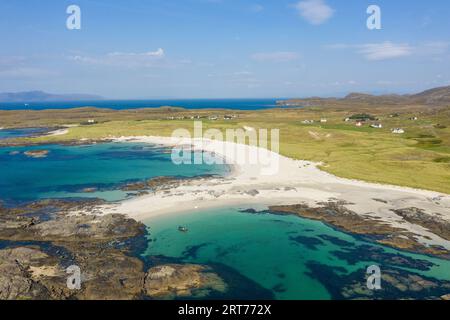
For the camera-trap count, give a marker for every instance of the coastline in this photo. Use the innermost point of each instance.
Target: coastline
(297, 182)
(300, 188)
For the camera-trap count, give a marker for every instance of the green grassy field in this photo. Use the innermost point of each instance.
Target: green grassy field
(419, 158)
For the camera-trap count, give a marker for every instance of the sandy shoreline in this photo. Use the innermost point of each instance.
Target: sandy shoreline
(295, 182)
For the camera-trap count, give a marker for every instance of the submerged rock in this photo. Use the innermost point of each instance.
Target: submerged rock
(395, 284)
(37, 153)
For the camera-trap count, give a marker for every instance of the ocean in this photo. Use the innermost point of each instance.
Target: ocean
(234, 104)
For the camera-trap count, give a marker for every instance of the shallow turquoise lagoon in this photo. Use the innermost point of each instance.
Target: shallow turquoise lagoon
(68, 170)
(274, 251)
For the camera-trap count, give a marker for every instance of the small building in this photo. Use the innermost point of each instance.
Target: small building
(308, 121)
(91, 121)
(323, 120)
(359, 124)
(227, 117)
(213, 118)
(347, 119)
(398, 131)
(413, 119)
(376, 126)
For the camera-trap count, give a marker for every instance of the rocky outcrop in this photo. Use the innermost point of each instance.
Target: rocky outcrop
(161, 183)
(39, 248)
(337, 215)
(433, 223)
(189, 280)
(37, 153)
(23, 274)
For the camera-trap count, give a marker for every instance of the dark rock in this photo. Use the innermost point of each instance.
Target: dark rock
(337, 215)
(173, 280)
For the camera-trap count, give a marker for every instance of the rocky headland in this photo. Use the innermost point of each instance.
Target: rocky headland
(337, 215)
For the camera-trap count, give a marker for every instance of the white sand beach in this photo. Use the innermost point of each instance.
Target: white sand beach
(294, 182)
(59, 132)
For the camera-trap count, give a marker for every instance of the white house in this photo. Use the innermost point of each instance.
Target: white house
(377, 126)
(323, 120)
(398, 131)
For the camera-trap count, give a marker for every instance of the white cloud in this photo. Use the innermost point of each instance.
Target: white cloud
(281, 56)
(378, 51)
(389, 50)
(314, 11)
(158, 53)
(385, 50)
(124, 59)
(26, 72)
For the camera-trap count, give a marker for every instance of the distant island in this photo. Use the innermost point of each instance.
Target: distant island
(41, 96)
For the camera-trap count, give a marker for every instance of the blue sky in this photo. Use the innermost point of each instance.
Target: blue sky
(223, 48)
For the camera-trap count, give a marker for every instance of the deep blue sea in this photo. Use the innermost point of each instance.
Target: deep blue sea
(236, 104)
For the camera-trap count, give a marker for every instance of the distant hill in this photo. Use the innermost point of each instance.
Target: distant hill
(433, 97)
(41, 96)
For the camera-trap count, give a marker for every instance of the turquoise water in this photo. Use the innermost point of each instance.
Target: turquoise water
(274, 251)
(68, 170)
